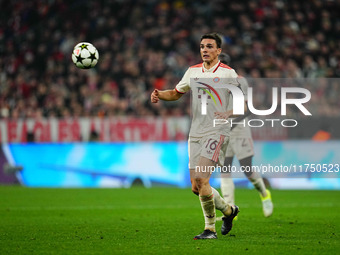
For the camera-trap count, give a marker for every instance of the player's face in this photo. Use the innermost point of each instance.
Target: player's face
(209, 50)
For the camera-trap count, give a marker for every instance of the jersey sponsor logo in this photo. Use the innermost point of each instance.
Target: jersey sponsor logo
(210, 94)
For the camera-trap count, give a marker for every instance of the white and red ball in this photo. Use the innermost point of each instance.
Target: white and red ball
(85, 55)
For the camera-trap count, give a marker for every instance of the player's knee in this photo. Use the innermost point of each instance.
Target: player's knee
(200, 183)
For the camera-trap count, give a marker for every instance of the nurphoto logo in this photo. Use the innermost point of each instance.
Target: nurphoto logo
(211, 91)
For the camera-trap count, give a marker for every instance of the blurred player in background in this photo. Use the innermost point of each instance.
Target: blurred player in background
(207, 145)
(241, 146)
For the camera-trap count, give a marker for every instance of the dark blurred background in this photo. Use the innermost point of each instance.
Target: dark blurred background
(149, 44)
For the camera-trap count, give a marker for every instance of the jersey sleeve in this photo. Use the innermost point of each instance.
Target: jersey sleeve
(232, 77)
(184, 85)
(233, 74)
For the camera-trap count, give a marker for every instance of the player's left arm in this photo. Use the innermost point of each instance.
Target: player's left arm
(229, 114)
(246, 113)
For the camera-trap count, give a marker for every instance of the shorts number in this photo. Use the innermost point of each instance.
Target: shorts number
(212, 144)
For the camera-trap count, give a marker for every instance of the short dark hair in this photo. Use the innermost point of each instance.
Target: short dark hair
(215, 37)
(224, 58)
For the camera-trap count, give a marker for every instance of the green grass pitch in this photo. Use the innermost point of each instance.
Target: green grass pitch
(162, 221)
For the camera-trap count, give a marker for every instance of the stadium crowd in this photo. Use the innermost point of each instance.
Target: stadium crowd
(149, 44)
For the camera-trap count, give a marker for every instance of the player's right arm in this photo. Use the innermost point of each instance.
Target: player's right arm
(172, 94)
(166, 95)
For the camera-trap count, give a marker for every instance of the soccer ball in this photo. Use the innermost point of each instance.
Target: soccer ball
(85, 55)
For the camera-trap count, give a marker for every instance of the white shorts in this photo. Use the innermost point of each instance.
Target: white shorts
(241, 147)
(212, 147)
